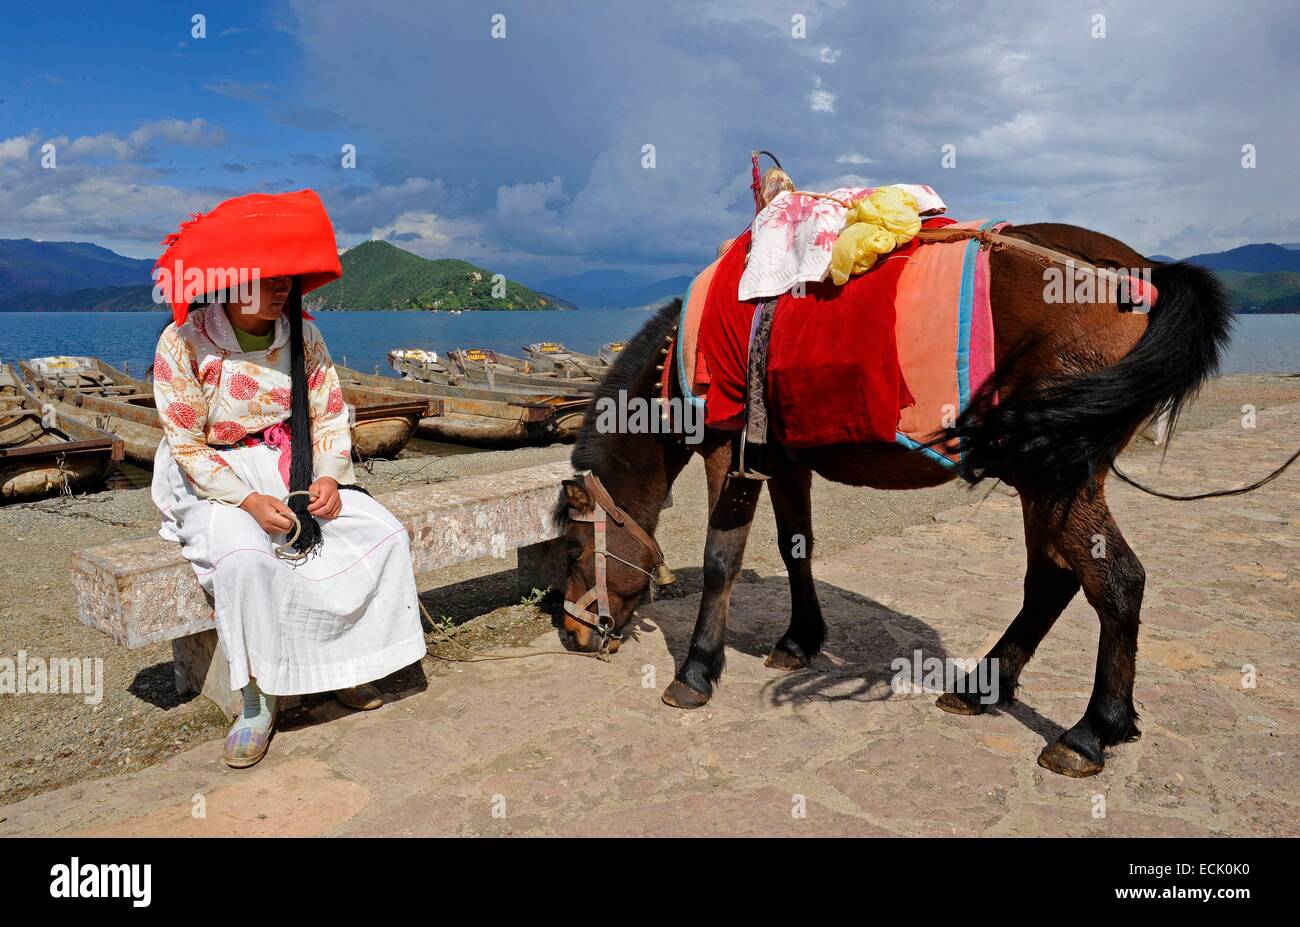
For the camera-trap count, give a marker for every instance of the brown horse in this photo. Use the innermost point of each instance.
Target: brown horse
(1075, 382)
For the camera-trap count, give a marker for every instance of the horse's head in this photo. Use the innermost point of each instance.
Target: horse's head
(611, 562)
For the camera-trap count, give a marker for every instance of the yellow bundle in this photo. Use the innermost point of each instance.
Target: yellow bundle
(874, 225)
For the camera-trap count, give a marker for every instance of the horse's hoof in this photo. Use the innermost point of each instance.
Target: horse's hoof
(957, 705)
(680, 695)
(1067, 761)
(786, 662)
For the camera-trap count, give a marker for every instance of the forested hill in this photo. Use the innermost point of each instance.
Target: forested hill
(378, 275)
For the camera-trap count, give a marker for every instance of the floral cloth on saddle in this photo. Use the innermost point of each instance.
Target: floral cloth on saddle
(804, 237)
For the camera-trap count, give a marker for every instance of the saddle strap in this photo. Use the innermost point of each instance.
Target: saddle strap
(756, 404)
(997, 241)
(1142, 296)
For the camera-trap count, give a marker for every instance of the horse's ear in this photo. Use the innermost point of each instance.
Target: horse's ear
(579, 498)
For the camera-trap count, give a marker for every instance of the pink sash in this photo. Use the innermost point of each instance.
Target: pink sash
(277, 437)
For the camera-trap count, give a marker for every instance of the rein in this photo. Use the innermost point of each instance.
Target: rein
(603, 510)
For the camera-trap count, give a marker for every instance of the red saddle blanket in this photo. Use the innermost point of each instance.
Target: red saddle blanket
(893, 355)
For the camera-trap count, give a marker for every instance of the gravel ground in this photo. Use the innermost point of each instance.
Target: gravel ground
(51, 741)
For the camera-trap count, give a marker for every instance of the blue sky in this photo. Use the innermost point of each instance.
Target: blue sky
(524, 153)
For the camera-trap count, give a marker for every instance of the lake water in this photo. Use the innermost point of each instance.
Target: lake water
(364, 338)
(1262, 344)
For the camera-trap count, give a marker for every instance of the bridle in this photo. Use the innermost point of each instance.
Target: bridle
(603, 510)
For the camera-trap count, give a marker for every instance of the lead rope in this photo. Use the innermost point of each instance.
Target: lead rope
(490, 657)
(602, 654)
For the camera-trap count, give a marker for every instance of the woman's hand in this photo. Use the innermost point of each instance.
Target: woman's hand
(270, 513)
(325, 501)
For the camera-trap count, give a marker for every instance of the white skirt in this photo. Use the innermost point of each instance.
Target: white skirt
(347, 614)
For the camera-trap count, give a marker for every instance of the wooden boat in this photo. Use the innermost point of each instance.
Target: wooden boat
(99, 396)
(560, 358)
(44, 455)
(546, 355)
(490, 370)
(417, 357)
(588, 364)
(497, 369)
(610, 350)
(86, 373)
(497, 418)
(382, 424)
(113, 401)
(548, 389)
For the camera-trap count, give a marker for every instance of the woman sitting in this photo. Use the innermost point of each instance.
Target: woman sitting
(311, 578)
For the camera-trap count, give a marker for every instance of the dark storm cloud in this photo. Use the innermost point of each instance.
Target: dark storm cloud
(1138, 133)
(526, 153)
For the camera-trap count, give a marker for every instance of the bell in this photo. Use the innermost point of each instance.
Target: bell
(664, 576)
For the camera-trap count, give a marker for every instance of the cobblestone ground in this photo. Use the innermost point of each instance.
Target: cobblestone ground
(570, 745)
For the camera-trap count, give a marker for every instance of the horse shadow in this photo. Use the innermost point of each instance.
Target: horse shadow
(859, 660)
(868, 655)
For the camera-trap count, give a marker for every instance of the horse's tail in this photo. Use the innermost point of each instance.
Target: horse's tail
(1066, 433)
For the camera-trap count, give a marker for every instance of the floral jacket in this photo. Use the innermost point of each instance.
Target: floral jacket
(211, 394)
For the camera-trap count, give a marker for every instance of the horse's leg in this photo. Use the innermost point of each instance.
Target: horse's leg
(1049, 587)
(1113, 580)
(791, 494)
(729, 519)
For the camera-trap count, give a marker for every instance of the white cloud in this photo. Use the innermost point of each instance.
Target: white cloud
(103, 206)
(530, 202)
(821, 100)
(422, 232)
(18, 148)
(1023, 132)
(123, 204)
(360, 208)
(194, 134)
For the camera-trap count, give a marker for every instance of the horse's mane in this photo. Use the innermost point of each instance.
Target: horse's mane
(641, 353)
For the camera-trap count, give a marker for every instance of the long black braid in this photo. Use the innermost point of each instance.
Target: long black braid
(301, 469)
(300, 465)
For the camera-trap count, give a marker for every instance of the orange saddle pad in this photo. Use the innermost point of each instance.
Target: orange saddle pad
(893, 355)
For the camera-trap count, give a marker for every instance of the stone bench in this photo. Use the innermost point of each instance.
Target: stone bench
(142, 591)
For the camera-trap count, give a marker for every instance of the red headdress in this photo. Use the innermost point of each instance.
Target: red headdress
(243, 240)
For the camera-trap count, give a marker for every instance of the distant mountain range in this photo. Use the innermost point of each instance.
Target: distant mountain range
(1253, 259)
(614, 289)
(64, 276)
(40, 276)
(28, 266)
(1261, 278)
